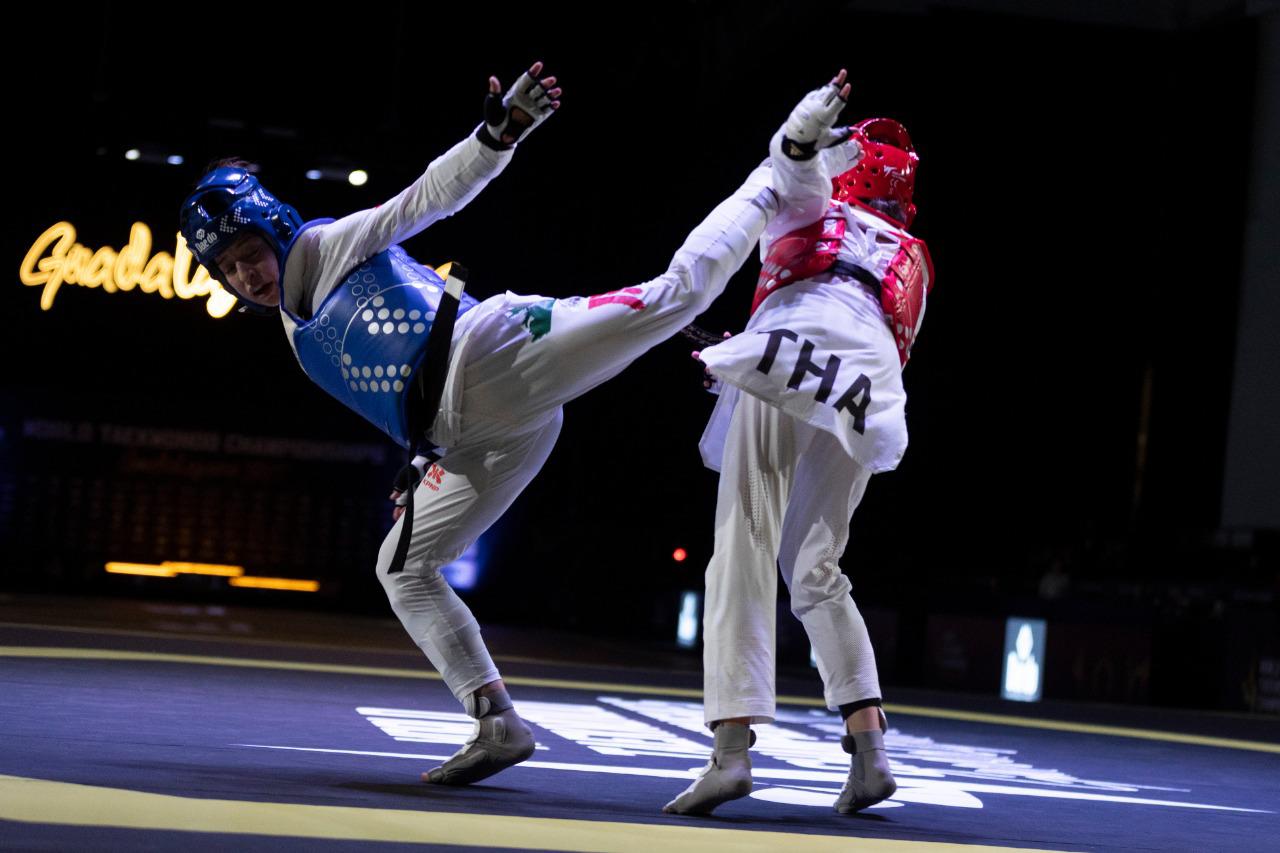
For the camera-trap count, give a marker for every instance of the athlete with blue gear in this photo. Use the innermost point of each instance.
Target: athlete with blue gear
(485, 395)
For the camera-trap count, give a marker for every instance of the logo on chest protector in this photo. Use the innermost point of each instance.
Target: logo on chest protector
(855, 399)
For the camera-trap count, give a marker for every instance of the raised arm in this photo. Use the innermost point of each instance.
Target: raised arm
(452, 180)
(807, 152)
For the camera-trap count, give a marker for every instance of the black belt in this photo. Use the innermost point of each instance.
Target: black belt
(860, 273)
(428, 388)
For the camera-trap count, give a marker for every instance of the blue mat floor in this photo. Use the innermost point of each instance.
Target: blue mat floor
(329, 730)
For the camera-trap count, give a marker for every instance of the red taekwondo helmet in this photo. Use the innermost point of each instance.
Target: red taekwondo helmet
(886, 171)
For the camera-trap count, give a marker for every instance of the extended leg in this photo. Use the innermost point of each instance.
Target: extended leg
(545, 352)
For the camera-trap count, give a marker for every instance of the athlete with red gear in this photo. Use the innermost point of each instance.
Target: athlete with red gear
(812, 406)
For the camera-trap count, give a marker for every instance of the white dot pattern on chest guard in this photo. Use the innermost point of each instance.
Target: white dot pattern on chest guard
(390, 299)
(374, 380)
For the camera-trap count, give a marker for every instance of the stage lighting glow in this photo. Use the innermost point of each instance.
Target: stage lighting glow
(464, 572)
(286, 584)
(314, 174)
(211, 569)
(679, 555)
(358, 178)
(687, 624)
(175, 160)
(142, 569)
(1024, 659)
(234, 574)
(172, 568)
(132, 154)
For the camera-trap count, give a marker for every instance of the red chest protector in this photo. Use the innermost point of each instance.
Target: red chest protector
(906, 285)
(814, 249)
(801, 254)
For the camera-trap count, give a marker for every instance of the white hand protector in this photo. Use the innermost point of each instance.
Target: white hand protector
(809, 128)
(525, 106)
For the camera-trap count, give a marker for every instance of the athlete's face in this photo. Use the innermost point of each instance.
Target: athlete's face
(251, 269)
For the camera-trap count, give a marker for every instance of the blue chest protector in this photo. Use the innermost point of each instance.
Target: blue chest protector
(367, 341)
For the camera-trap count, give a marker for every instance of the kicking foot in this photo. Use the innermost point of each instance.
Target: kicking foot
(501, 739)
(870, 779)
(726, 777)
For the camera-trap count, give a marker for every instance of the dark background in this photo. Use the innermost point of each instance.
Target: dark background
(1084, 182)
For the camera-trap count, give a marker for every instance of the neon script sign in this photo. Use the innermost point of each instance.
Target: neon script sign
(56, 259)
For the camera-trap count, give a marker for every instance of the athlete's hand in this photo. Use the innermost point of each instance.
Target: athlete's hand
(811, 125)
(525, 106)
(407, 478)
(710, 382)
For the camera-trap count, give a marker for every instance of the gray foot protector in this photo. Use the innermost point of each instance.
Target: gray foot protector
(500, 740)
(727, 775)
(870, 779)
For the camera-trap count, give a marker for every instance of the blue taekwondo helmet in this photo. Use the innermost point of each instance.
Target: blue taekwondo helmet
(225, 204)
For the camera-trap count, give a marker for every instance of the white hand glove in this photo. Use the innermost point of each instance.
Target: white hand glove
(810, 127)
(526, 105)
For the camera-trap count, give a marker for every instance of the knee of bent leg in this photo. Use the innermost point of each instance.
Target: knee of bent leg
(417, 593)
(817, 584)
(417, 565)
(387, 552)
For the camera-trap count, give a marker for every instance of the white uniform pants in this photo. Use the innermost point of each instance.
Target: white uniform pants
(787, 493)
(524, 358)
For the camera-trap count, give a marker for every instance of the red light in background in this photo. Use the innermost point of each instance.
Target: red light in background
(679, 555)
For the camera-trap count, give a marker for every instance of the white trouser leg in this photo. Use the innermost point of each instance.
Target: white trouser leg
(827, 488)
(543, 353)
(741, 581)
(475, 487)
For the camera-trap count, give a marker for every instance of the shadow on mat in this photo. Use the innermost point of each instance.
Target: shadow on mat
(424, 789)
(777, 821)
